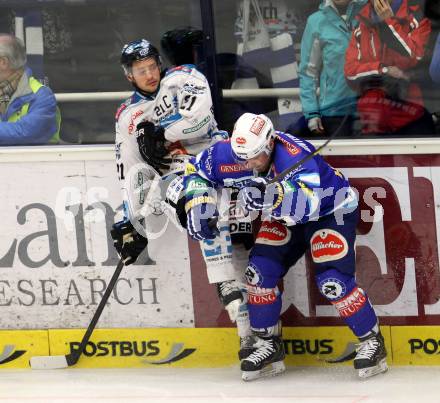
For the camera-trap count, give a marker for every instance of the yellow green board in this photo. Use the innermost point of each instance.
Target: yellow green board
(18, 346)
(213, 347)
(416, 345)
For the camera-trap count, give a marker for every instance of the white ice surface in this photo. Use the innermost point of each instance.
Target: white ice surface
(166, 385)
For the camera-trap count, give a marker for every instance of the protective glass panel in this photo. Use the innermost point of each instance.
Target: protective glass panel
(73, 46)
(368, 67)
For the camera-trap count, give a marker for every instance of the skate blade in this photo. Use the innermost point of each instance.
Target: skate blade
(269, 370)
(377, 369)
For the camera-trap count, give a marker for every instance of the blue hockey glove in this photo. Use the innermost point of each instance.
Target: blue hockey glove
(127, 242)
(200, 212)
(258, 195)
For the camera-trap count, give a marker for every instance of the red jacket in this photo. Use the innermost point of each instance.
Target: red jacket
(398, 41)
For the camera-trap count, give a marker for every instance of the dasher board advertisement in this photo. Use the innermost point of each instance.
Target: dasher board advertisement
(56, 254)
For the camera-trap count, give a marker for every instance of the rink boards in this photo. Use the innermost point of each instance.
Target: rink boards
(206, 348)
(56, 257)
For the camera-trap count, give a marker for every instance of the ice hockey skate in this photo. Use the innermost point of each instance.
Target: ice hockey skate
(228, 291)
(371, 356)
(266, 360)
(246, 347)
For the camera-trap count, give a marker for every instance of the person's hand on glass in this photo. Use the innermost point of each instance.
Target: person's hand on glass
(395, 72)
(383, 9)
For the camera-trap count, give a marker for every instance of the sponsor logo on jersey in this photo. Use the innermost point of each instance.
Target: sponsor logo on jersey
(207, 165)
(198, 126)
(194, 89)
(240, 227)
(119, 111)
(298, 141)
(332, 288)
(174, 190)
(130, 348)
(122, 107)
(253, 275)
(262, 296)
(291, 148)
(327, 245)
(257, 126)
(8, 354)
(196, 184)
(273, 233)
(231, 168)
(134, 116)
(240, 140)
(351, 304)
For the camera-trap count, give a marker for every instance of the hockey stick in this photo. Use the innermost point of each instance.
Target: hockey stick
(302, 161)
(348, 354)
(65, 361)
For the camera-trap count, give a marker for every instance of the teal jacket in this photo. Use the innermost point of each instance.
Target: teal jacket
(323, 45)
(32, 116)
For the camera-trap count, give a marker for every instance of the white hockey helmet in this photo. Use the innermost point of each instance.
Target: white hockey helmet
(251, 136)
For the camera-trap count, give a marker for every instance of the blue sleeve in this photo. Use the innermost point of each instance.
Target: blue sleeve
(298, 187)
(198, 190)
(434, 68)
(206, 164)
(36, 127)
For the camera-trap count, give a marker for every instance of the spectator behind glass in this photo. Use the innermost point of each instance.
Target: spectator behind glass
(389, 42)
(323, 47)
(432, 11)
(28, 109)
(434, 67)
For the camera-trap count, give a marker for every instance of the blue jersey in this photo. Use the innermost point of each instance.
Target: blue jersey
(313, 190)
(218, 166)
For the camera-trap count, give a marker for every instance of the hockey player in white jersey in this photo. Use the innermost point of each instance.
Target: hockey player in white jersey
(169, 117)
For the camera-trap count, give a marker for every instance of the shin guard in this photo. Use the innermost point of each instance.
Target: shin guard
(351, 302)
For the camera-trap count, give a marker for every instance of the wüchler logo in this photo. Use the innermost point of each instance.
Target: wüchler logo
(9, 354)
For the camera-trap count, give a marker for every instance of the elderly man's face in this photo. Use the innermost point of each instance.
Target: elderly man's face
(5, 70)
(5, 65)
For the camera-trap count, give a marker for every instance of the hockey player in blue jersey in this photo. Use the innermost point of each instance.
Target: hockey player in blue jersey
(311, 208)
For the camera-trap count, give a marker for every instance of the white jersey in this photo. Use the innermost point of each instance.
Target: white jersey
(182, 106)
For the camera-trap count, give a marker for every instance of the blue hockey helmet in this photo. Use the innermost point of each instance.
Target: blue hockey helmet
(138, 50)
